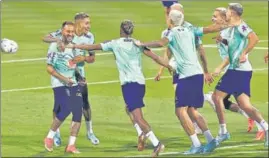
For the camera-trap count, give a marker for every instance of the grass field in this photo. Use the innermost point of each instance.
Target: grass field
(26, 112)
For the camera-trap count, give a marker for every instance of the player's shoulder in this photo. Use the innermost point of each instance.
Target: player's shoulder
(187, 24)
(243, 26)
(166, 32)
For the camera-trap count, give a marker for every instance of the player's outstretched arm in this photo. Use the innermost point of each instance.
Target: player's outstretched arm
(54, 73)
(154, 44)
(157, 58)
(49, 39)
(85, 46)
(214, 28)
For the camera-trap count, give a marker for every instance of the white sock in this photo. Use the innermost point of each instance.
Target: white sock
(264, 125)
(89, 126)
(58, 131)
(138, 129)
(51, 134)
(258, 126)
(242, 112)
(72, 140)
(195, 141)
(154, 140)
(222, 129)
(208, 136)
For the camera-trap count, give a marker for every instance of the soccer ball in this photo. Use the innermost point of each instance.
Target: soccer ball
(9, 46)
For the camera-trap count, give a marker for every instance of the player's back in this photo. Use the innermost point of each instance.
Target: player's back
(183, 48)
(128, 59)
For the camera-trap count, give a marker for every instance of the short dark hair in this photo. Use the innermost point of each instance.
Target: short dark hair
(237, 7)
(81, 15)
(127, 26)
(67, 23)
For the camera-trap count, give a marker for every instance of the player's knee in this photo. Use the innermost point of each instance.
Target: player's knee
(217, 99)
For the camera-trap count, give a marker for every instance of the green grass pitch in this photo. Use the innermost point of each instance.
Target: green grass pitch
(26, 115)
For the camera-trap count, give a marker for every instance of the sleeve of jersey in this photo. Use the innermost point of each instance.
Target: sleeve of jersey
(106, 46)
(56, 34)
(244, 29)
(168, 35)
(51, 55)
(198, 31)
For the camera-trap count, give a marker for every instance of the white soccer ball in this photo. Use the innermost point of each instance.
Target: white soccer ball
(9, 46)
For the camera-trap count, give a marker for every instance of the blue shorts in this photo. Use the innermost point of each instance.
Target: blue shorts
(169, 3)
(133, 94)
(235, 82)
(67, 99)
(189, 92)
(175, 78)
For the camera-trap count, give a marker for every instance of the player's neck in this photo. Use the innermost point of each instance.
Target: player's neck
(124, 35)
(235, 21)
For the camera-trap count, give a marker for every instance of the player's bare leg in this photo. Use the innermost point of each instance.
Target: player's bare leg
(143, 124)
(57, 138)
(141, 135)
(188, 126)
(211, 142)
(253, 113)
(87, 113)
(218, 98)
(74, 129)
(48, 141)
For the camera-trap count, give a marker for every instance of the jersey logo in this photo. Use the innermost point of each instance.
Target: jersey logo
(128, 40)
(244, 28)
